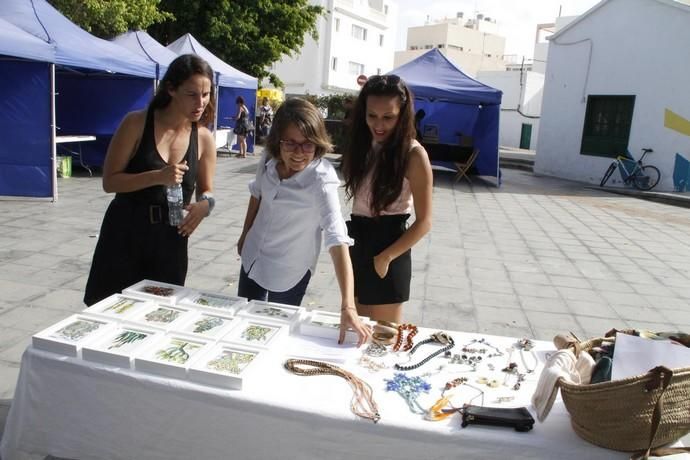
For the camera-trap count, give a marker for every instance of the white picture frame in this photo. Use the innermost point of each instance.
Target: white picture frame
(326, 324)
(66, 337)
(219, 366)
(170, 356)
(213, 302)
(162, 293)
(118, 307)
(207, 325)
(165, 317)
(274, 312)
(118, 346)
(258, 333)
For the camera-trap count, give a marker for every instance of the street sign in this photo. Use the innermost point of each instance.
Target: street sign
(361, 80)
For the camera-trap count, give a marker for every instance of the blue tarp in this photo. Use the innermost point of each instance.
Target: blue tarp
(456, 104)
(144, 45)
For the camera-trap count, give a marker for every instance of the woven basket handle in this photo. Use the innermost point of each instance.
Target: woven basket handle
(660, 378)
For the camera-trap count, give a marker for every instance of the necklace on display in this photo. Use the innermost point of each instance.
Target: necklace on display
(440, 338)
(362, 403)
(439, 412)
(412, 331)
(466, 348)
(526, 347)
(409, 388)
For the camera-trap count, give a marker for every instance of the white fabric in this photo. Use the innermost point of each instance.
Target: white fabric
(75, 409)
(585, 367)
(285, 239)
(561, 364)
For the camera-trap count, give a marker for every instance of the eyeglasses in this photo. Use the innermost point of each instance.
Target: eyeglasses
(388, 80)
(291, 146)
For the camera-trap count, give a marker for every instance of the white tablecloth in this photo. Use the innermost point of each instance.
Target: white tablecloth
(71, 408)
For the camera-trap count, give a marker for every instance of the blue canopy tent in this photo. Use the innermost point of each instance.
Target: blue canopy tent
(456, 106)
(230, 82)
(26, 164)
(113, 80)
(146, 46)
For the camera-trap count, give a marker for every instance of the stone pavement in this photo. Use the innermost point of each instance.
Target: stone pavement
(536, 257)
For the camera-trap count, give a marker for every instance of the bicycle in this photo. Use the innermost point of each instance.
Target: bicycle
(642, 177)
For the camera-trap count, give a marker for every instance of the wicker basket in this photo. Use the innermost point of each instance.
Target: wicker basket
(620, 414)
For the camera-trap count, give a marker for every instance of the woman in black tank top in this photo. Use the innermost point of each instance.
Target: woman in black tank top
(164, 145)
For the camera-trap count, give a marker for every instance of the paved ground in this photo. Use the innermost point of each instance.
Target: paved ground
(533, 258)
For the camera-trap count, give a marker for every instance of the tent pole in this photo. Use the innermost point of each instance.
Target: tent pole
(53, 145)
(215, 116)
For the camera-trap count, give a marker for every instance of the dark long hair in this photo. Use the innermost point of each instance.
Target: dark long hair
(180, 70)
(306, 118)
(390, 163)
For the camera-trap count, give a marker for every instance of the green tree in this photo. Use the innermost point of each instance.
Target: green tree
(249, 35)
(108, 18)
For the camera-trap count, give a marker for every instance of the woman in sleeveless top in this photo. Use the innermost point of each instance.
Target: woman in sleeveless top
(166, 144)
(387, 173)
(241, 126)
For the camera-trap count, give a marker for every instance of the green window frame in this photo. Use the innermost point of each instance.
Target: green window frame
(607, 125)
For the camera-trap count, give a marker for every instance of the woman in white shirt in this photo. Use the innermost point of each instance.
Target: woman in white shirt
(294, 203)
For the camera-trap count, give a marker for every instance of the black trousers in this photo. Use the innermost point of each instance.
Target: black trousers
(136, 242)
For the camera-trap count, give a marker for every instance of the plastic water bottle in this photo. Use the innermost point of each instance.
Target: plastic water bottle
(175, 204)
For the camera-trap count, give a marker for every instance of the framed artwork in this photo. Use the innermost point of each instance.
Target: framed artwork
(274, 312)
(68, 336)
(213, 301)
(326, 324)
(162, 293)
(163, 317)
(207, 325)
(170, 356)
(257, 333)
(119, 345)
(118, 307)
(226, 365)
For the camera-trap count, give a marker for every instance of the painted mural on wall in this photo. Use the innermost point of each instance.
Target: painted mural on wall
(681, 167)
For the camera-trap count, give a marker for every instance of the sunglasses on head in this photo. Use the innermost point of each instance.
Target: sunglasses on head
(388, 80)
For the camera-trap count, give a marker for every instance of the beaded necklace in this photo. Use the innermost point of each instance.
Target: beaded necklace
(362, 403)
(525, 346)
(440, 338)
(438, 412)
(412, 331)
(409, 388)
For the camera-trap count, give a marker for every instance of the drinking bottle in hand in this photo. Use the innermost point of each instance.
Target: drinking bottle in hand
(175, 204)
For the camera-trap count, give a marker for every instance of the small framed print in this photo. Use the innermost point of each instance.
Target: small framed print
(164, 317)
(225, 365)
(69, 335)
(119, 345)
(274, 312)
(207, 325)
(257, 333)
(213, 301)
(162, 293)
(118, 307)
(327, 325)
(170, 356)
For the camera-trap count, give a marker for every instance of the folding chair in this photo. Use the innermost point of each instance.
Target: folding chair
(465, 166)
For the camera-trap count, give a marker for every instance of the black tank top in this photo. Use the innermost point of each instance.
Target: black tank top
(147, 158)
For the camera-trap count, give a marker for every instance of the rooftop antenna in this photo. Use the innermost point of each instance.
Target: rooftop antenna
(560, 9)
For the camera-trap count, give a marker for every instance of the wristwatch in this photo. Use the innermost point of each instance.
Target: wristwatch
(211, 202)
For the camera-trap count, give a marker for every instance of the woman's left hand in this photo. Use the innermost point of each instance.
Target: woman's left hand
(381, 263)
(195, 214)
(350, 320)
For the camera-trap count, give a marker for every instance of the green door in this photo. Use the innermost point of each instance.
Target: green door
(526, 136)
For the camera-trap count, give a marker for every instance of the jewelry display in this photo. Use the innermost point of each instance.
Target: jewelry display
(512, 369)
(375, 349)
(472, 361)
(491, 383)
(384, 337)
(440, 338)
(525, 346)
(362, 403)
(409, 388)
(504, 399)
(370, 364)
(412, 331)
(466, 348)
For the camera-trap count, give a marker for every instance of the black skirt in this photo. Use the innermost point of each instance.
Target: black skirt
(372, 235)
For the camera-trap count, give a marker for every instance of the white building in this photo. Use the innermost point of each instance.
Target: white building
(613, 75)
(356, 37)
(472, 44)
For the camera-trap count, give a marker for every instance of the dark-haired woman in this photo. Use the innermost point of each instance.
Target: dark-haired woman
(294, 205)
(166, 144)
(241, 126)
(387, 174)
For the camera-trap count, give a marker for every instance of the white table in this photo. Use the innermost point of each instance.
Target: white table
(76, 139)
(71, 408)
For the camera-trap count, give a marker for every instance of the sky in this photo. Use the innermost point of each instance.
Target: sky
(516, 19)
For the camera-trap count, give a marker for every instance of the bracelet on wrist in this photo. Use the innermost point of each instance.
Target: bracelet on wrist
(211, 202)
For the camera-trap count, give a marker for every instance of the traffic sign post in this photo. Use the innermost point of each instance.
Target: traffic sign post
(361, 80)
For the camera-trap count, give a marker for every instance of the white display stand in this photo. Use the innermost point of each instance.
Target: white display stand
(274, 312)
(326, 324)
(170, 356)
(214, 302)
(165, 317)
(258, 333)
(119, 345)
(147, 289)
(69, 335)
(208, 326)
(227, 365)
(118, 307)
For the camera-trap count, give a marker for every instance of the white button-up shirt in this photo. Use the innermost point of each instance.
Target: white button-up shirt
(285, 239)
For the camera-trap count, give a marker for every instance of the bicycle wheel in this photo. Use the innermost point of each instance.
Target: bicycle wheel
(646, 178)
(607, 174)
